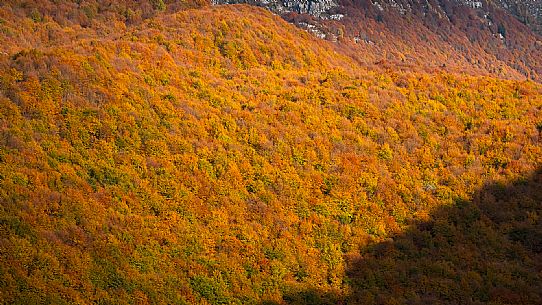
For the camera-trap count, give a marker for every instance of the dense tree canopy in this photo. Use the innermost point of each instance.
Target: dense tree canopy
(222, 156)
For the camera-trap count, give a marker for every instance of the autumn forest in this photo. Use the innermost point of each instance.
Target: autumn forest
(181, 153)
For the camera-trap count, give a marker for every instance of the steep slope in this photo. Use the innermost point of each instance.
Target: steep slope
(223, 156)
(476, 37)
(528, 12)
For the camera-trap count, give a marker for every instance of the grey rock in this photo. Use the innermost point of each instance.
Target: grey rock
(316, 8)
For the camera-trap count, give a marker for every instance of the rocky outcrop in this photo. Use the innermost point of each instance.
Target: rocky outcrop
(527, 11)
(316, 8)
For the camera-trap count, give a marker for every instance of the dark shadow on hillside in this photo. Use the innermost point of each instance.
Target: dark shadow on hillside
(484, 251)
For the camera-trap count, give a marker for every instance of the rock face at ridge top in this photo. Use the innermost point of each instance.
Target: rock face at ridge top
(528, 12)
(316, 8)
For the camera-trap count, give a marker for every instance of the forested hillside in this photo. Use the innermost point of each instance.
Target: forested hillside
(220, 155)
(467, 36)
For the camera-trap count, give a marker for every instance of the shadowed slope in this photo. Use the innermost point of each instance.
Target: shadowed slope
(488, 250)
(484, 251)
